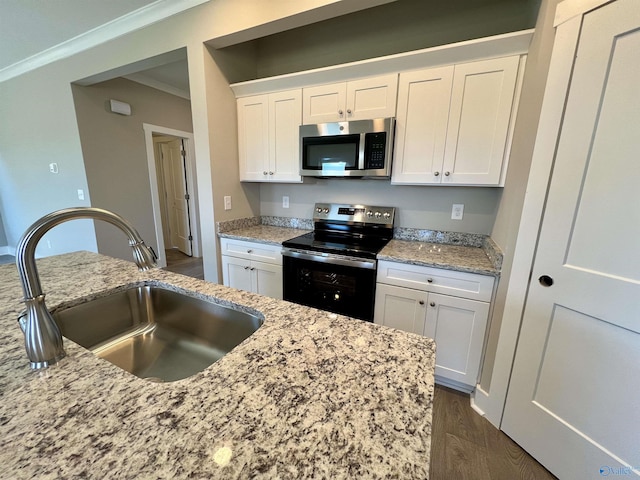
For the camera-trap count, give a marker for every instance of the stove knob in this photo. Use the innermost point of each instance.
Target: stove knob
(326, 210)
(378, 214)
(386, 215)
(369, 213)
(318, 210)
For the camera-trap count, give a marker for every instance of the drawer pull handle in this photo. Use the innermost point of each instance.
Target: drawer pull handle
(252, 268)
(429, 280)
(249, 251)
(246, 268)
(433, 304)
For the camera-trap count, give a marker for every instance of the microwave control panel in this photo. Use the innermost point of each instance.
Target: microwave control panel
(375, 145)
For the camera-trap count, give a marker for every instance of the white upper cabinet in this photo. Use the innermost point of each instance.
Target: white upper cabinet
(363, 99)
(268, 137)
(453, 123)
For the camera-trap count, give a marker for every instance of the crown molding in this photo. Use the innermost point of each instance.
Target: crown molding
(135, 20)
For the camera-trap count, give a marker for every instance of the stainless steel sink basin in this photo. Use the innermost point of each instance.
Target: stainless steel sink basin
(156, 333)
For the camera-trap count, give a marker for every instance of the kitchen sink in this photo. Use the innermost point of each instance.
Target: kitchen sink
(156, 333)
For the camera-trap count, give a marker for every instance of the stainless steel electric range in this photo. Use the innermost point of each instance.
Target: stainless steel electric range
(334, 267)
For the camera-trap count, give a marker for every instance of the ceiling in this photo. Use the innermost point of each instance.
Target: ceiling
(28, 27)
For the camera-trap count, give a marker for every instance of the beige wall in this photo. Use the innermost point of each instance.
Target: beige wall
(115, 155)
(38, 122)
(510, 208)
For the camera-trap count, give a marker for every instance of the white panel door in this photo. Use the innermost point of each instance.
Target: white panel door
(253, 137)
(401, 308)
(481, 102)
(573, 400)
(179, 202)
(373, 97)
(267, 279)
(236, 273)
(285, 116)
(324, 103)
(457, 325)
(421, 125)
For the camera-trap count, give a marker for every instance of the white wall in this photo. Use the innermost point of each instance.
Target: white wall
(418, 207)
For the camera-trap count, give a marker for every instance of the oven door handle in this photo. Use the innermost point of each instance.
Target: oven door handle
(330, 258)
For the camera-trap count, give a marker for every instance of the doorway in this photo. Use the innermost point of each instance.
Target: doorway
(172, 177)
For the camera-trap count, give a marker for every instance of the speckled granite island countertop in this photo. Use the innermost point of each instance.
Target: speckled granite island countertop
(450, 257)
(309, 395)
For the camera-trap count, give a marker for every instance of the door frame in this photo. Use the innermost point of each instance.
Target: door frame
(190, 165)
(568, 22)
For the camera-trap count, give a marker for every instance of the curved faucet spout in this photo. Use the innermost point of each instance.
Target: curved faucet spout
(43, 340)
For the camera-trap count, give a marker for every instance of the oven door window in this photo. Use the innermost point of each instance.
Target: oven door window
(336, 288)
(335, 153)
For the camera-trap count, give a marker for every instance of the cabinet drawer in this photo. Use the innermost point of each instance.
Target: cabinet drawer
(437, 280)
(251, 250)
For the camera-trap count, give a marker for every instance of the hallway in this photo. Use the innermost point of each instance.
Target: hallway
(178, 262)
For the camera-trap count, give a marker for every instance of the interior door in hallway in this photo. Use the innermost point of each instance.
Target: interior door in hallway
(179, 200)
(574, 396)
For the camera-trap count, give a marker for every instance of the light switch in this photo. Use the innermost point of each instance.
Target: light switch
(285, 201)
(80, 194)
(53, 167)
(227, 202)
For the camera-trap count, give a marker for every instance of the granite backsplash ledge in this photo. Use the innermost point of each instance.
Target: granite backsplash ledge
(485, 242)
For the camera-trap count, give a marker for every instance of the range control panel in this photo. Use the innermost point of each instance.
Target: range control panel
(354, 213)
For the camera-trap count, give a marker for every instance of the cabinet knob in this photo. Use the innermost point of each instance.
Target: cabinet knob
(264, 173)
(249, 251)
(270, 173)
(252, 268)
(349, 111)
(429, 280)
(246, 268)
(446, 174)
(433, 304)
(421, 302)
(545, 280)
(435, 174)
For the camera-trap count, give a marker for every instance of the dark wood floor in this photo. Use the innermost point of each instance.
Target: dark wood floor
(464, 445)
(178, 262)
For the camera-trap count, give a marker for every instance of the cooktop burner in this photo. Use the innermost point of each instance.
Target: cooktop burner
(351, 230)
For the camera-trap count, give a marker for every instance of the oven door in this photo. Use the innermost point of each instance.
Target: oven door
(344, 285)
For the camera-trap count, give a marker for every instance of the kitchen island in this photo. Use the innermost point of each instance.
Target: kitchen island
(309, 395)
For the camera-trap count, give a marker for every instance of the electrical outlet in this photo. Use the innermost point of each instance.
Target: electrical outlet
(285, 201)
(457, 211)
(227, 202)
(80, 194)
(53, 167)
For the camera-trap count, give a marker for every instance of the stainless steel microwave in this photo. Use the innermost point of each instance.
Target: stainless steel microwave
(361, 148)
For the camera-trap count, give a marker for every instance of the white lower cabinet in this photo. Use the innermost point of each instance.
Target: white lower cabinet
(253, 267)
(456, 323)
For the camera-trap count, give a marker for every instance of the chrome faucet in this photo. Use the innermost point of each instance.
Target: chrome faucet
(43, 339)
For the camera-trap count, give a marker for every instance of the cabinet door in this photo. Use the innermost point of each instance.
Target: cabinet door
(373, 97)
(324, 103)
(285, 115)
(253, 137)
(457, 325)
(421, 125)
(481, 104)
(236, 273)
(267, 279)
(401, 308)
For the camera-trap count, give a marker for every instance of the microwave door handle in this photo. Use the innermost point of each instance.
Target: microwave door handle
(361, 151)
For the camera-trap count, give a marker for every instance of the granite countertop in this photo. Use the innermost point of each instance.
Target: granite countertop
(268, 234)
(462, 258)
(309, 395)
(450, 257)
